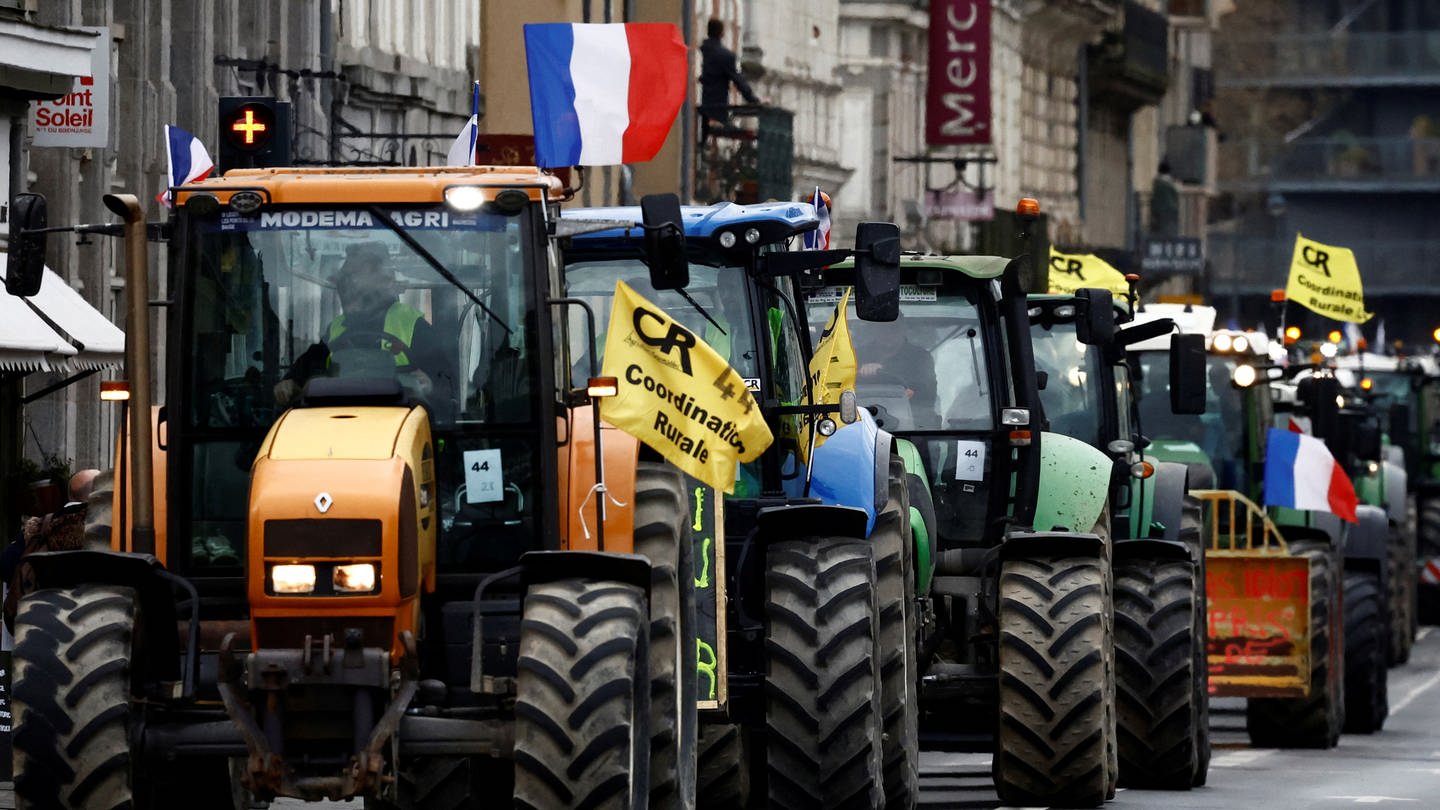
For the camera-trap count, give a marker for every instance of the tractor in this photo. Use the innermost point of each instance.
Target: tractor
(800, 568)
(383, 556)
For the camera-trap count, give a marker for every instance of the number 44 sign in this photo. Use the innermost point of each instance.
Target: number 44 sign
(969, 461)
(484, 481)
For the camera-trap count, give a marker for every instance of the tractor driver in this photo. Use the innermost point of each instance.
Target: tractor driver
(372, 316)
(885, 356)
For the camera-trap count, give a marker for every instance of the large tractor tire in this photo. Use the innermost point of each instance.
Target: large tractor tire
(1192, 534)
(662, 535)
(1427, 531)
(723, 772)
(895, 589)
(1367, 701)
(1314, 721)
(1052, 742)
(1155, 606)
(822, 690)
(71, 698)
(582, 705)
(1400, 587)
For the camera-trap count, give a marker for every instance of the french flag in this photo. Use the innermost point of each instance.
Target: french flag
(1300, 473)
(819, 239)
(187, 159)
(603, 94)
(462, 151)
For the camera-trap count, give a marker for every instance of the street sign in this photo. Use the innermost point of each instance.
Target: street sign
(1172, 254)
(966, 206)
(82, 116)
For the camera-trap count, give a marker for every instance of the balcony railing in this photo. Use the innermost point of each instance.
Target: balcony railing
(1341, 163)
(1326, 60)
(747, 158)
(1241, 264)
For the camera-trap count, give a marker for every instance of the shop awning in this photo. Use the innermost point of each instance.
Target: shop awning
(55, 330)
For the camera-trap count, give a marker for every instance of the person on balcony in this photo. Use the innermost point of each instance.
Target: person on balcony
(718, 70)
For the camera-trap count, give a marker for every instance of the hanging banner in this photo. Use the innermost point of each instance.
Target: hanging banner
(957, 95)
(1325, 279)
(1071, 271)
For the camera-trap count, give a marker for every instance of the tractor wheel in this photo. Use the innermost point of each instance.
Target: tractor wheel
(582, 699)
(895, 592)
(662, 534)
(822, 695)
(1400, 587)
(1192, 534)
(1314, 721)
(1366, 694)
(71, 696)
(1155, 606)
(1428, 536)
(723, 775)
(1051, 745)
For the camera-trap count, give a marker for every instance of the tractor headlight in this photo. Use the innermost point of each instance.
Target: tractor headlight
(354, 578)
(293, 578)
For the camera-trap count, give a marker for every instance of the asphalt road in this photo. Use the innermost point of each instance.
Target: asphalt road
(1398, 767)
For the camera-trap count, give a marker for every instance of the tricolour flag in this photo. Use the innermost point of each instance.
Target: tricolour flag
(186, 158)
(1300, 473)
(603, 94)
(819, 239)
(677, 394)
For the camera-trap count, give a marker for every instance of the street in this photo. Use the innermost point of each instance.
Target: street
(1400, 766)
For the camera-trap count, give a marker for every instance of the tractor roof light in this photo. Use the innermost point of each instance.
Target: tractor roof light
(1028, 208)
(1221, 343)
(1366, 384)
(1240, 344)
(114, 390)
(1334, 336)
(465, 198)
(1292, 335)
(1328, 350)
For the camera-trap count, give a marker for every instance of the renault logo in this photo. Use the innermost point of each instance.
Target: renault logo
(323, 501)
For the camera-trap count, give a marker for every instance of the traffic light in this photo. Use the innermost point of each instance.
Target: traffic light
(254, 133)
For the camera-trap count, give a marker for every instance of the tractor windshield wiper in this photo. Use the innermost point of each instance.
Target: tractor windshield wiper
(430, 259)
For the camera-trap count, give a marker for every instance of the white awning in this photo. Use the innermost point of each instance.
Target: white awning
(55, 330)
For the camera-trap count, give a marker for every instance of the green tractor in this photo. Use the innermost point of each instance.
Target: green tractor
(1160, 649)
(1305, 681)
(1013, 638)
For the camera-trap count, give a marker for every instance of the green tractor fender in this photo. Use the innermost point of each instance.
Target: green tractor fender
(1074, 484)
(922, 514)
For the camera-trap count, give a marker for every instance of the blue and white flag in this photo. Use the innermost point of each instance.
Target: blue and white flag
(462, 151)
(187, 161)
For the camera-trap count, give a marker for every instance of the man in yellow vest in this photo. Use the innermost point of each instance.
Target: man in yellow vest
(372, 318)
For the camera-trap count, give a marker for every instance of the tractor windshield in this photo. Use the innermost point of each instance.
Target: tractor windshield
(1071, 396)
(434, 300)
(1219, 433)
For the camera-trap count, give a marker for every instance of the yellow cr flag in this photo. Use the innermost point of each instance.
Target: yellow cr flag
(1071, 271)
(677, 394)
(832, 369)
(1325, 279)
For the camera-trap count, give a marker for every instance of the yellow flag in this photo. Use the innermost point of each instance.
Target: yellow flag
(1071, 271)
(1326, 280)
(677, 394)
(832, 368)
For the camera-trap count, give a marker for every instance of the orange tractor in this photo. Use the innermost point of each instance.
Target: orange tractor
(341, 565)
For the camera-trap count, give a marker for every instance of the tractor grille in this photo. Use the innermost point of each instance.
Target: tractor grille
(322, 537)
(376, 631)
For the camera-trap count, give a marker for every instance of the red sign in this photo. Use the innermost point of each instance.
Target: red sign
(957, 98)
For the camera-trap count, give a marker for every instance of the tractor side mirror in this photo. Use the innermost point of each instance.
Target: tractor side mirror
(1319, 395)
(664, 241)
(1187, 374)
(877, 271)
(26, 265)
(1095, 316)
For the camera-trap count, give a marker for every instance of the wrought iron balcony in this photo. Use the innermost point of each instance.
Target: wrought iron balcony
(748, 158)
(1256, 265)
(1345, 59)
(1339, 163)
